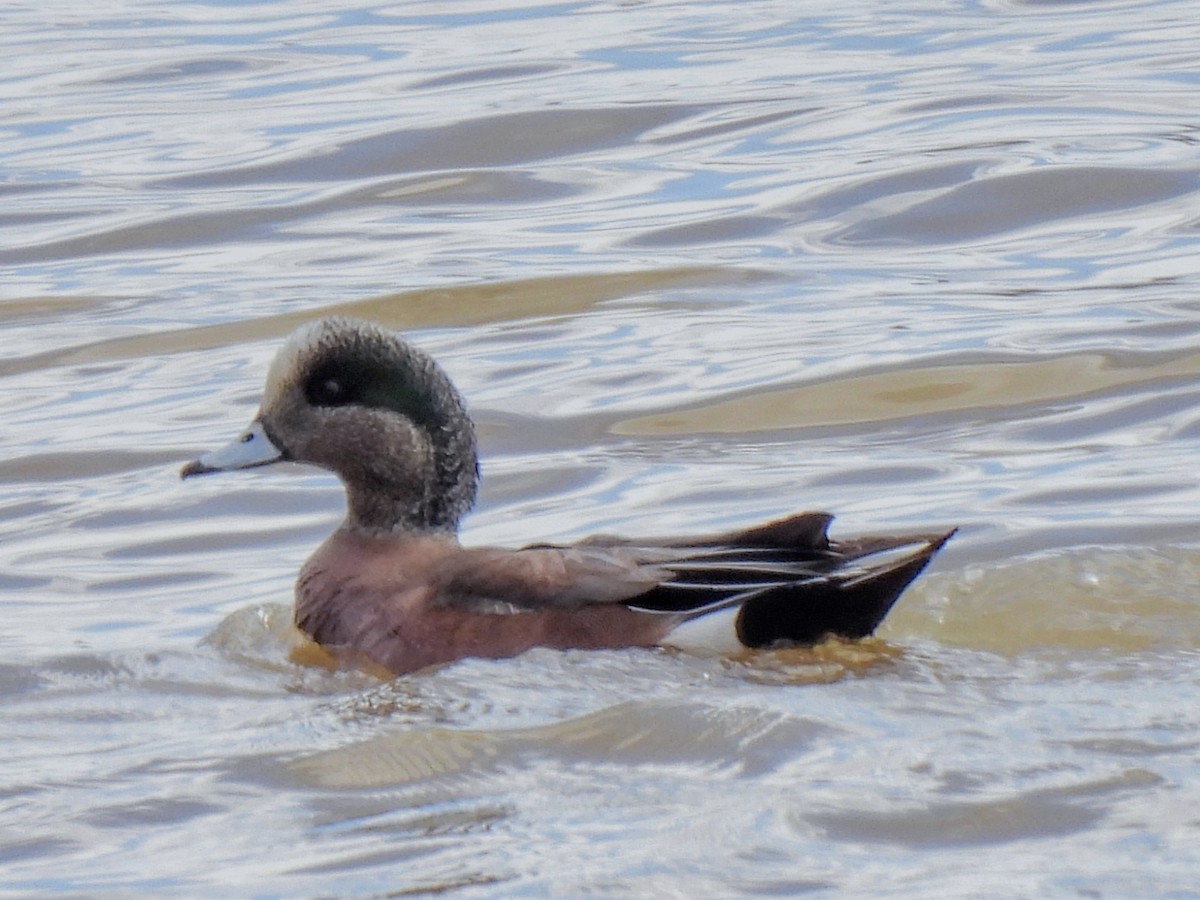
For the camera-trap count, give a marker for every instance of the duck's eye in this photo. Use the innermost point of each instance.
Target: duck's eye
(341, 382)
(334, 384)
(327, 392)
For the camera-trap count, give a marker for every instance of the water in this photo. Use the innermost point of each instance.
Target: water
(693, 265)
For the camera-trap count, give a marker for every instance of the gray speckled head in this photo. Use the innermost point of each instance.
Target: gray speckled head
(354, 398)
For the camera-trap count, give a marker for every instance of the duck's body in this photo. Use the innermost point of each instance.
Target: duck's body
(412, 601)
(393, 586)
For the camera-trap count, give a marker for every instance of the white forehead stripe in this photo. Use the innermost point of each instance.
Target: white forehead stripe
(289, 359)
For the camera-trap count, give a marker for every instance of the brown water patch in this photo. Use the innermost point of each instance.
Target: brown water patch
(740, 740)
(949, 825)
(1029, 815)
(915, 391)
(1078, 601)
(825, 663)
(32, 309)
(429, 307)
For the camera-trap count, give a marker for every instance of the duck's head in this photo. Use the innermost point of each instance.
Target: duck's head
(353, 398)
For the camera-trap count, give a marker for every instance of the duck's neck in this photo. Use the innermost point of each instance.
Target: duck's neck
(372, 513)
(432, 501)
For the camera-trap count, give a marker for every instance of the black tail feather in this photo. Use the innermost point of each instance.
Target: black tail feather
(844, 605)
(793, 586)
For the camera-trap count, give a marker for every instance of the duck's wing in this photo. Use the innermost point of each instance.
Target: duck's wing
(794, 595)
(607, 569)
(548, 576)
(784, 581)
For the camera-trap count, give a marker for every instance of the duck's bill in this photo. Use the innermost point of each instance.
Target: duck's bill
(250, 449)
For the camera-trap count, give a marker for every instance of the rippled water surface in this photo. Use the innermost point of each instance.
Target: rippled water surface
(693, 265)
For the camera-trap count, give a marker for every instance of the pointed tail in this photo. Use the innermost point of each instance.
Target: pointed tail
(849, 602)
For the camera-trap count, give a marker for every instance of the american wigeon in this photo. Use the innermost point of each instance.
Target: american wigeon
(393, 586)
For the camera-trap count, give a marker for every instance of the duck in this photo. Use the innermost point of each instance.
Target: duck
(394, 588)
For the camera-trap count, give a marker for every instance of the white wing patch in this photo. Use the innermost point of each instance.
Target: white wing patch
(713, 634)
